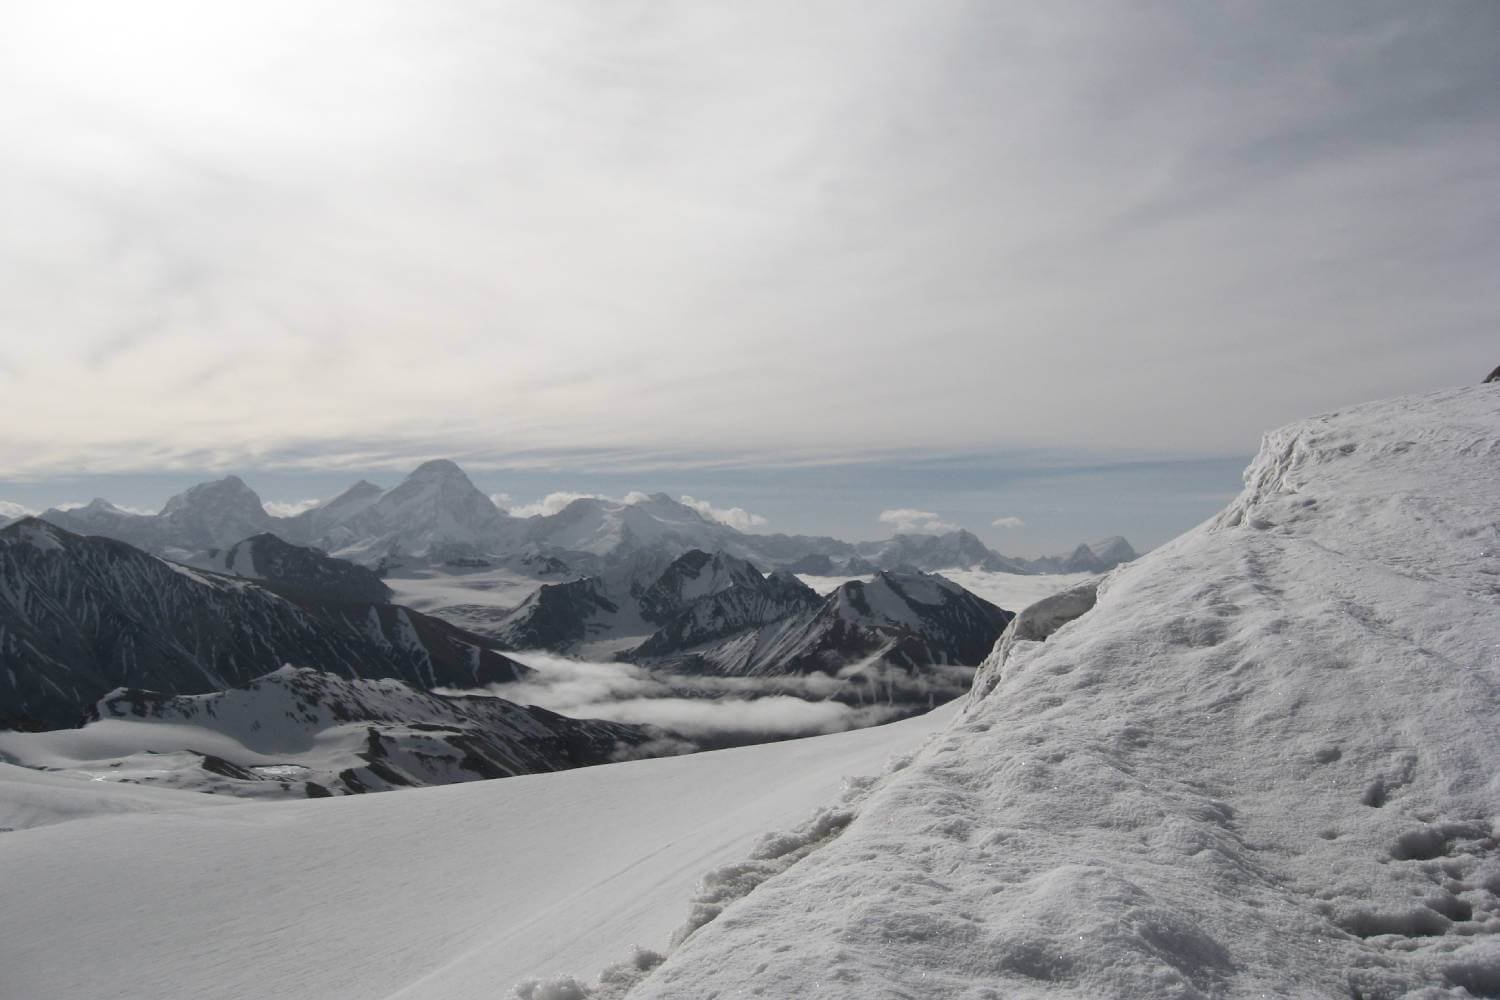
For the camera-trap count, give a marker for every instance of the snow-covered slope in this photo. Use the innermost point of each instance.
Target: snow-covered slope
(1265, 763)
(451, 893)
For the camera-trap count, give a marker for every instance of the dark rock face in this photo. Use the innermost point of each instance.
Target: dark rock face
(912, 638)
(1493, 376)
(82, 616)
(691, 577)
(749, 602)
(299, 572)
(715, 615)
(923, 618)
(557, 615)
(396, 736)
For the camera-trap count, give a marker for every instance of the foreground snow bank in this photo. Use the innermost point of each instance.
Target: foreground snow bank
(1265, 763)
(449, 893)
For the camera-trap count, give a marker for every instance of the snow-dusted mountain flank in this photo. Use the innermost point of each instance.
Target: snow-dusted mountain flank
(81, 616)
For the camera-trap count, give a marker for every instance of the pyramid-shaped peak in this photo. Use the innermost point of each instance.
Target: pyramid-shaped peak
(437, 470)
(229, 489)
(359, 491)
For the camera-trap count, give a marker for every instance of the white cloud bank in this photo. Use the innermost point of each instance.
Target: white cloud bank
(1008, 522)
(736, 517)
(710, 709)
(906, 520)
(289, 508)
(550, 504)
(10, 510)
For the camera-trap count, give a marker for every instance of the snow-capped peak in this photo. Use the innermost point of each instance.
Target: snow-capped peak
(437, 470)
(229, 491)
(214, 515)
(435, 508)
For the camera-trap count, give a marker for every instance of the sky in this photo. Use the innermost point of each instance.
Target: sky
(821, 260)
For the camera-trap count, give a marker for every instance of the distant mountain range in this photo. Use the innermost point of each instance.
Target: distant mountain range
(437, 516)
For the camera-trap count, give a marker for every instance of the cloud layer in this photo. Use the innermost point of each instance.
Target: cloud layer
(346, 234)
(711, 710)
(908, 520)
(289, 508)
(735, 517)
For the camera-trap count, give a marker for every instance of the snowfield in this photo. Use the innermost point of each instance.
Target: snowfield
(460, 891)
(1266, 763)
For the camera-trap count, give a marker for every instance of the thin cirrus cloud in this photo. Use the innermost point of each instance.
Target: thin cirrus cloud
(552, 503)
(907, 520)
(711, 230)
(1009, 521)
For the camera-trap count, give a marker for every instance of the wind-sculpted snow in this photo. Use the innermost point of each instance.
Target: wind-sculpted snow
(1263, 764)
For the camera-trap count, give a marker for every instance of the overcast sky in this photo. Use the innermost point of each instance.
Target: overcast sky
(577, 243)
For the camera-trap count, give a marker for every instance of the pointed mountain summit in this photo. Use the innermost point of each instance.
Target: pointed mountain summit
(213, 515)
(1096, 557)
(323, 524)
(436, 512)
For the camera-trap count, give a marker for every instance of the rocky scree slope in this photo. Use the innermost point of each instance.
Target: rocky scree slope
(1262, 760)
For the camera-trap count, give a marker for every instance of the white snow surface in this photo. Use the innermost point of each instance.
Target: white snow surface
(1265, 764)
(448, 893)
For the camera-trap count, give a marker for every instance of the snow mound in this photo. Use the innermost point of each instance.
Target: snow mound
(1265, 762)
